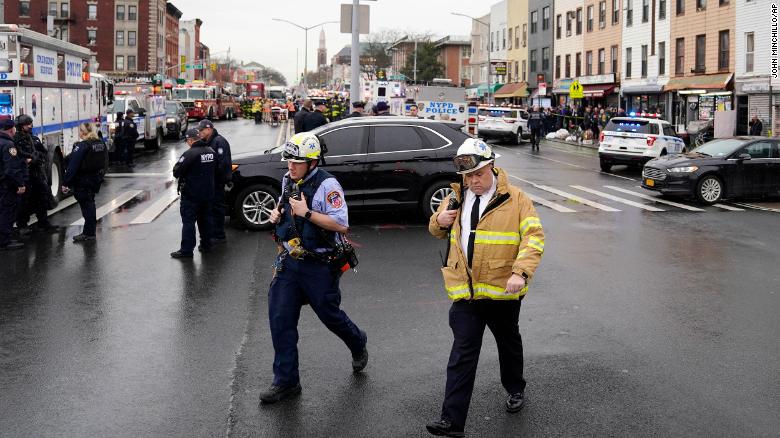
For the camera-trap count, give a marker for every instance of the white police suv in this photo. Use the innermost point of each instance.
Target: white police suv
(637, 139)
(504, 123)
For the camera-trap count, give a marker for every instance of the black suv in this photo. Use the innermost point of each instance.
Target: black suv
(381, 162)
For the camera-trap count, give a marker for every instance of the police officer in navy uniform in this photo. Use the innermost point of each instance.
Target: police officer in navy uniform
(13, 179)
(129, 132)
(222, 174)
(357, 109)
(311, 218)
(195, 172)
(535, 120)
(84, 176)
(37, 193)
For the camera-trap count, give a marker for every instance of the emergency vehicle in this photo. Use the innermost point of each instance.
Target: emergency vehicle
(149, 116)
(206, 101)
(255, 90)
(637, 139)
(440, 102)
(50, 80)
(503, 122)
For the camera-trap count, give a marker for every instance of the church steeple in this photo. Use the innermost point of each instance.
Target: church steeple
(322, 53)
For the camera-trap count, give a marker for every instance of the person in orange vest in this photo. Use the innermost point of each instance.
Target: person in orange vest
(267, 110)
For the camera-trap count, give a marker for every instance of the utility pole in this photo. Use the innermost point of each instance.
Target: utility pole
(415, 61)
(354, 77)
(305, 46)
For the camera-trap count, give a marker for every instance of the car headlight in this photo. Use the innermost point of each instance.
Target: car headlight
(685, 169)
(171, 120)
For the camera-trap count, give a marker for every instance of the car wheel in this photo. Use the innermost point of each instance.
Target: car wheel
(709, 190)
(253, 206)
(56, 177)
(519, 136)
(434, 196)
(605, 165)
(155, 143)
(186, 128)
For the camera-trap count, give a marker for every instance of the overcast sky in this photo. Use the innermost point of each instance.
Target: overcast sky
(246, 26)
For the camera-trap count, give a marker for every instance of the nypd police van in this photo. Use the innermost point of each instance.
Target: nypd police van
(637, 139)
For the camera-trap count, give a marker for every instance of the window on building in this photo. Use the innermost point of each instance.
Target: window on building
(628, 62)
(525, 34)
(724, 2)
(64, 10)
(749, 52)
(568, 23)
(615, 12)
(24, 9)
(532, 56)
(701, 5)
(91, 37)
(131, 38)
(645, 10)
(557, 66)
(590, 19)
(53, 9)
(701, 53)
(679, 56)
(517, 71)
(534, 19)
(613, 53)
(131, 62)
(510, 38)
(643, 70)
(579, 21)
(465, 51)
(503, 39)
(662, 58)
(523, 73)
(723, 50)
(558, 25)
(629, 12)
(679, 7)
(120, 12)
(545, 18)
(602, 14)
(517, 37)
(602, 61)
(120, 62)
(132, 12)
(545, 58)
(578, 64)
(120, 38)
(661, 9)
(568, 66)
(92, 11)
(588, 63)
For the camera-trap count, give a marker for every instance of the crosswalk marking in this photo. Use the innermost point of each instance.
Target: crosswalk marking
(112, 205)
(156, 209)
(549, 204)
(617, 199)
(571, 196)
(758, 207)
(62, 205)
(728, 207)
(654, 199)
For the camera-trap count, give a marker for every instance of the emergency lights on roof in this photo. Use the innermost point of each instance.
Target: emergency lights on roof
(648, 115)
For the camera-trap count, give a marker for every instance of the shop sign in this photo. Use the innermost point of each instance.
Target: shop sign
(597, 79)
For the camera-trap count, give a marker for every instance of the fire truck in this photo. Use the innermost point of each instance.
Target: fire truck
(255, 90)
(50, 80)
(207, 101)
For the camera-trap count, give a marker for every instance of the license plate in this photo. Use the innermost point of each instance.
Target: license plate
(649, 182)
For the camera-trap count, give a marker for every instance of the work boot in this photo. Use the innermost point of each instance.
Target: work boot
(515, 402)
(443, 428)
(12, 245)
(83, 238)
(278, 393)
(179, 254)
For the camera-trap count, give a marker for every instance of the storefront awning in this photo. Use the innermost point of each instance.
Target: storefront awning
(600, 90)
(480, 90)
(643, 89)
(703, 82)
(514, 89)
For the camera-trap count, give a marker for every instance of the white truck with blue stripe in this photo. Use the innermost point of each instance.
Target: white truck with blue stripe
(149, 116)
(50, 80)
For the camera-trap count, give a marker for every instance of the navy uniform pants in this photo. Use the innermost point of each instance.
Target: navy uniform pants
(86, 199)
(300, 281)
(9, 202)
(218, 212)
(193, 212)
(468, 320)
(33, 201)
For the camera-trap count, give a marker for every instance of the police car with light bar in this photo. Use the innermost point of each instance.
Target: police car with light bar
(637, 139)
(503, 122)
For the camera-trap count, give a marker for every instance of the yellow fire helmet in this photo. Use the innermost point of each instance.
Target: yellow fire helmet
(301, 148)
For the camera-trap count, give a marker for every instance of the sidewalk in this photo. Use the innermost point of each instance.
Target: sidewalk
(595, 144)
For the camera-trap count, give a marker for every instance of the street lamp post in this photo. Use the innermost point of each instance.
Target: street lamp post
(489, 78)
(305, 46)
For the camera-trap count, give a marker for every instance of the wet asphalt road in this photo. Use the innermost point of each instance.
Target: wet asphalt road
(639, 322)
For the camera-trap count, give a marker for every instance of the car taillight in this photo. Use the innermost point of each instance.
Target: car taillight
(650, 141)
(601, 137)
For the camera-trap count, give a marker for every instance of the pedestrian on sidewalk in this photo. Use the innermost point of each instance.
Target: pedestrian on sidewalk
(84, 176)
(13, 181)
(490, 262)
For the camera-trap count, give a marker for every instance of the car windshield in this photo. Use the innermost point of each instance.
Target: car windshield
(720, 148)
(171, 107)
(117, 106)
(631, 125)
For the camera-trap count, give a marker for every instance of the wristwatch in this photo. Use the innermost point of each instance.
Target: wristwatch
(307, 215)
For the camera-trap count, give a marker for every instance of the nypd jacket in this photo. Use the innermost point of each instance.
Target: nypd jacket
(509, 239)
(224, 160)
(13, 170)
(30, 146)
(86, 165)
(195, 172)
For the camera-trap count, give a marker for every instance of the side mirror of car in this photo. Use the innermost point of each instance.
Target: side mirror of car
(743, 157)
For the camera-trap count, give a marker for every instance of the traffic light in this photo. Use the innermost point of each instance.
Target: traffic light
(213, 67)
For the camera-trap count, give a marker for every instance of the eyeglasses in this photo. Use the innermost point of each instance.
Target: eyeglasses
(467, 162)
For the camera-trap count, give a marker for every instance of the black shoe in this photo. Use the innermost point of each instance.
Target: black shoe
(181, 255)
(279, 393)
(83, 238)
(12, 245)
(220, 241)
(359, 361)
(515, 402)
(443, 428)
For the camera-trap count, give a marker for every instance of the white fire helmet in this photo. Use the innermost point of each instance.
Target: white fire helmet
(472, 155)
(302, 148)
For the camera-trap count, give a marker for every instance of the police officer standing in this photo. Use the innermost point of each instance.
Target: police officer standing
(195, 173)
(13, 179)
(310, 220)
(316, 118)
(489, 264)
(222, 175)
(357, 109)
(300, 116)
(119, 152)
(35, 198)
(84, 176)
(535, 126)
(129, 137)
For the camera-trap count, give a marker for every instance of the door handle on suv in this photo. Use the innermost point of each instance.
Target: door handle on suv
(422, 157)
(351, 162)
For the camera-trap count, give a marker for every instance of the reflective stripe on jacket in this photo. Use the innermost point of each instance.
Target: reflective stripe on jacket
(509, 239)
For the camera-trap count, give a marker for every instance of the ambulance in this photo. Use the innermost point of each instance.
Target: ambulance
(50, 80)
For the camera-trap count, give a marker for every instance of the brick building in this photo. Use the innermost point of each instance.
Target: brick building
(172, 17)
(454, 54)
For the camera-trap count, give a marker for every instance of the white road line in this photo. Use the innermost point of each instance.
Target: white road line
(655, 199)
(137, 175)
(111, 206)
(758, 207)
(62, 205)
(617, 199)
(550, 204)
(728, 207)
(567, 195)
(156, 209)
(565, 163)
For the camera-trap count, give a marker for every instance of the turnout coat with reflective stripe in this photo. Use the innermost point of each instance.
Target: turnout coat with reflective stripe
(509, 239)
